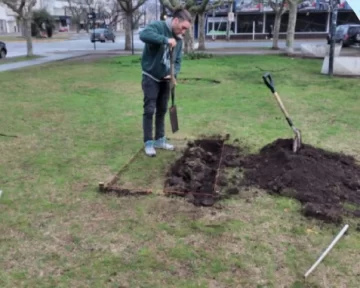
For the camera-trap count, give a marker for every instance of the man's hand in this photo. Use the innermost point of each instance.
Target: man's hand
(172, 80)
(172, 42)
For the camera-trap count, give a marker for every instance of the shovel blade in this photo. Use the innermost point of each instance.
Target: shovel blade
(173, 119)
(297, 141)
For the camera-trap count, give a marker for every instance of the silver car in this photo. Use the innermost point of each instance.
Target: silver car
(102, 35)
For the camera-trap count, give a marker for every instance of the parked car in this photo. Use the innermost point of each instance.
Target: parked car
(102, 35)
(3, 50)
(347, 35)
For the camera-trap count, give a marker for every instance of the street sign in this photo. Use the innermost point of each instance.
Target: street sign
(231, 17)
(355, 5)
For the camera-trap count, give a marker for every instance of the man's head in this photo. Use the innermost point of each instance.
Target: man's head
(181, 21)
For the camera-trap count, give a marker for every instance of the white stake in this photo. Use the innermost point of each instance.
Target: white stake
(341, 233)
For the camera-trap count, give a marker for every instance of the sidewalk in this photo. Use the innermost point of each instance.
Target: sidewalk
(47, 58)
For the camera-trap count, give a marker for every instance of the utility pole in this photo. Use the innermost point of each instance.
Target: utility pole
(334, 14)
(92, 16)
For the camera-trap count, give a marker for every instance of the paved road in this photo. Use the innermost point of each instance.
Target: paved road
(83, 44)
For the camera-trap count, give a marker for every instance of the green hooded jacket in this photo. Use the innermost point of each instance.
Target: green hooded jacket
(155, 60)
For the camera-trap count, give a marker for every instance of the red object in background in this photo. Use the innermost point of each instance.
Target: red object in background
(63, 29)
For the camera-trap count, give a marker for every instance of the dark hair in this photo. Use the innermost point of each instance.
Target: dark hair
(182, 14)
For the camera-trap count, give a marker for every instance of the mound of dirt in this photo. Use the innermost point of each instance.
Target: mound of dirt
(327, 184)
(194, 174)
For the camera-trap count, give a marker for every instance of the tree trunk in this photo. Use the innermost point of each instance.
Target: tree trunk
(23, 28)
(201, 32)
(228, 24)
(276, 31)
(189, 38)
(27, 32)
(128, 27)
(291, 27)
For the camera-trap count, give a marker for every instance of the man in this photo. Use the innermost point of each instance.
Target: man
(160, 37)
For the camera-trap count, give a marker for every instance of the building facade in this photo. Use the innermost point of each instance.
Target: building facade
(254, 19)
(8, 20)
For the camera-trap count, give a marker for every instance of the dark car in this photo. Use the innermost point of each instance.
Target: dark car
(3, 50)
(347, 35)
(102, 35)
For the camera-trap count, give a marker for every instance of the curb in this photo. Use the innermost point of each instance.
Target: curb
(34, 41)
(42, 63)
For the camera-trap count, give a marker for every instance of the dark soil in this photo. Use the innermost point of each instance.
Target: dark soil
(321, 180)
(197, 80)
(195, 172)
(126, 192)
(327, 184)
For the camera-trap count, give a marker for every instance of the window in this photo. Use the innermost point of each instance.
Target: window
(347, 18)
(246, 21)
(312, 22)
(353, 30)
(270, 19)
(218, 24)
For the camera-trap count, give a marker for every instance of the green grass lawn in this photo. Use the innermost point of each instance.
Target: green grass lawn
(78, 123)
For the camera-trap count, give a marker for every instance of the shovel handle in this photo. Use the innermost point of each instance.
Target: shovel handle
(172, 68)
(269, 82)
(172, 76)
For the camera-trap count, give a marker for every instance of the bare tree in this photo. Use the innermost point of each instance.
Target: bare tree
(201, 10)
(150, 9)
(293, 8)
(196, 8)
(24, 10)
(115, 13)
(228, 24)
(279, 8)
(129, 7)
(172, 5)
(78, 12)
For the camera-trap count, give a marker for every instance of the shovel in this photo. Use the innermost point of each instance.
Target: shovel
(297, 139)
(172, 109)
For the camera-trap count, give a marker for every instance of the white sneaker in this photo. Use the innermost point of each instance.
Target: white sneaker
(149, 148)
(162, 144)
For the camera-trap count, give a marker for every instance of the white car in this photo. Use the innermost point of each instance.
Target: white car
(141, 29)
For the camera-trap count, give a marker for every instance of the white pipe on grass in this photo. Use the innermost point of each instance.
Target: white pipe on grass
(337, 238)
